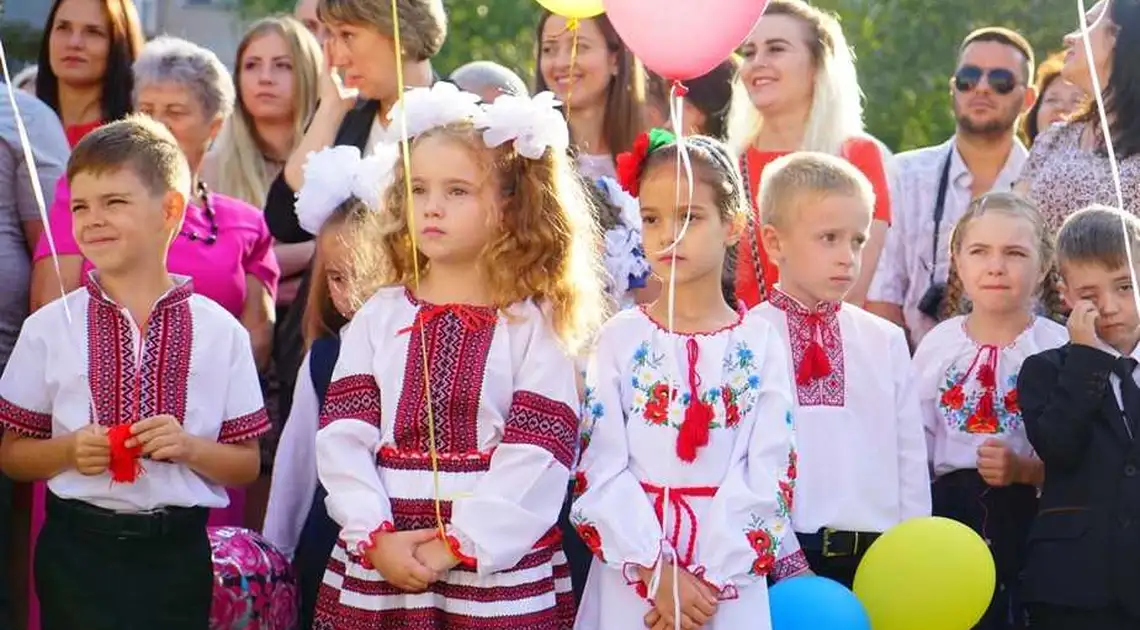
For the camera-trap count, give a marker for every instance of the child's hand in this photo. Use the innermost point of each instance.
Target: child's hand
(91, 450)
(997, 463)
(697, 601)
(394, 558)
(162, 439)
(437, 556)
(1082, 323)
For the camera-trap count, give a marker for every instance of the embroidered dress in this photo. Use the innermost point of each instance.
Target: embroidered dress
(686, 450)
(968, 391)
(504, 403)
(862, 456)
(193, 361)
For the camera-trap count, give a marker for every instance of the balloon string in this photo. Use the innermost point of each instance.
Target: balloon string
(573, 26)
(1106, 131)
(406, 158)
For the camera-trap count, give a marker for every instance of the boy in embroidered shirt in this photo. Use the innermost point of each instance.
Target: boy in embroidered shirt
(135, 399)
(862, 454)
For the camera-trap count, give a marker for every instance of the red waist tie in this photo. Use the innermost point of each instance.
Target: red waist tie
(677, 499)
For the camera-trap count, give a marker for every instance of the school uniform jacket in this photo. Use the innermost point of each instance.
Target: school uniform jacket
(1084, 547)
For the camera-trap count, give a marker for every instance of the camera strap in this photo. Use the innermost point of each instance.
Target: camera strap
(940, 210)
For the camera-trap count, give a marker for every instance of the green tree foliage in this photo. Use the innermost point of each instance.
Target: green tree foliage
(255, 9)
(906, 49)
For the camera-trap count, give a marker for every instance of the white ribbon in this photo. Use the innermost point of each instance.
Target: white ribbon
(533, 124)
(335, 174)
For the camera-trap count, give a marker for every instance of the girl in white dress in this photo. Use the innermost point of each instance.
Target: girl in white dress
(983, 466)
(450, 427)
(686, 468)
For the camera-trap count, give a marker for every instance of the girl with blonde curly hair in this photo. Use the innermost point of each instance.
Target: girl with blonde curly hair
(451, 422)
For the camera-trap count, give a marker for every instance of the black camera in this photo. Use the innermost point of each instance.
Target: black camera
(931, 302)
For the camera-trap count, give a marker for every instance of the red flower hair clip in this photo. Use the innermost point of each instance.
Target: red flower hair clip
(629, 163)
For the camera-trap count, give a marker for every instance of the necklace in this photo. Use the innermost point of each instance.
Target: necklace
(211, 216)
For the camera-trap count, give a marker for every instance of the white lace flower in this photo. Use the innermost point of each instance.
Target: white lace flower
(334, 174)
(534, 124)
(428, 108)
(623, 258)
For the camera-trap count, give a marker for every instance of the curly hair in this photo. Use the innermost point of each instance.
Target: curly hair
(546, 248)
(348, 231)
(712, 166)
(956, 301)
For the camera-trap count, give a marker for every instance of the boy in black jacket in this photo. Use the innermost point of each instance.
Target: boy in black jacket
(1081, 407)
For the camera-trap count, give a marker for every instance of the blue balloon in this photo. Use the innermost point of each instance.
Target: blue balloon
(816, 603)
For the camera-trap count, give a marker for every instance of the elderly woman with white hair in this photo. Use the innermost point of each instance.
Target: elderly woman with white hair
(224, 245)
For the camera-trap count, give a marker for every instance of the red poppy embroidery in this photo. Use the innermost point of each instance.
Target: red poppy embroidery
(953, 398)
(731, 411)
(786, 493)
(657, 409)
(792, 458)
(764, 563)
(589, 535)
(580, 483)
(980, 423)
(1011, 404)
(759, 540)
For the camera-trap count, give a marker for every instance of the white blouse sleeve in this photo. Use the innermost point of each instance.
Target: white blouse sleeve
(294, 468)
(25, 400)
(516, 502)
(914, 469)
(740, 534)
(611, 513)
(348, 439)
(245, 417)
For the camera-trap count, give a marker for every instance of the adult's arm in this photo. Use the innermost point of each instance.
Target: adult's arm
(257, 316)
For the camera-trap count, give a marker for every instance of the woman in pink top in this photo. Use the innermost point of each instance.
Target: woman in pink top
(224, 245)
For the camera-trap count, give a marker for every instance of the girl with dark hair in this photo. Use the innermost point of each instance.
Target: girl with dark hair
(601, 85)
(706, 104)
(85, 62)
(1068, 168)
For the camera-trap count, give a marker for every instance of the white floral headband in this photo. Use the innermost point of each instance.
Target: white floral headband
(335, 174)
(533, 124)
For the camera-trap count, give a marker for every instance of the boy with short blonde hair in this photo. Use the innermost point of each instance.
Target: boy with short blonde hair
(136, 400)
(859, 435)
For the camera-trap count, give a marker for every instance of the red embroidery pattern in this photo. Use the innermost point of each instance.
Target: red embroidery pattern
(393, 458)
(790, 566)
(355, 397)
(457, 348)
(815, 337)
(247, 427)
(119, 394)
(764, 546)
(549, 424)
(590, 536)
(25, 422)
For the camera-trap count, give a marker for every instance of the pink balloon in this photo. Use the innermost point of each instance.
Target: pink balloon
(683, 39)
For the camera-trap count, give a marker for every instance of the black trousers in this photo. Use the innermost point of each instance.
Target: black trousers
(1002, 517)
(156, 573)
(6, 609)
(1047, 617)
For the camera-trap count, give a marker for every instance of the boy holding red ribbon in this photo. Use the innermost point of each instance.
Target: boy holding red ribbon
(135, 399)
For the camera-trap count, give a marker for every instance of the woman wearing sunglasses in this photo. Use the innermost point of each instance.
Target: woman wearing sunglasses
(1069, 167)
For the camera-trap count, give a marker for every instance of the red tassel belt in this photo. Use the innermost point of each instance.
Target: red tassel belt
(678, 500)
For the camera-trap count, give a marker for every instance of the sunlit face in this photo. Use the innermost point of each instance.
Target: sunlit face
(777, 68)
(366, 59)
(818, 246)
(699, 255)
(306, 13)
(1111, 291)
(119, 224)
(586, 81)
(265, 78)
(79, 42)
(175, 106)
(338, 271)
(456, 202)
(1060, 99)
(1102, 40)
(981, 109)
(998, 263)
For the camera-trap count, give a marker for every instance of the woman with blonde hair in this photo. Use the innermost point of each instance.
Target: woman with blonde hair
(797, 90)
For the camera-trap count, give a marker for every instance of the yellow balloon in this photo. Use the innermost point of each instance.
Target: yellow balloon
(574, 8)
(927, 573)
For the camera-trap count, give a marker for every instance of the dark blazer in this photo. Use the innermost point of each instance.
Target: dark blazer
(1084, 547)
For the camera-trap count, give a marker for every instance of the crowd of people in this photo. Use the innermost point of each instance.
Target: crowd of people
(579, 388)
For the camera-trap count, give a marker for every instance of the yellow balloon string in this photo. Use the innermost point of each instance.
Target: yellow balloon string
(406, 157)
(572, 25)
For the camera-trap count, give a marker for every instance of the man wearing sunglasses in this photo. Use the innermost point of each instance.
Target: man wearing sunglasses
(991, 87)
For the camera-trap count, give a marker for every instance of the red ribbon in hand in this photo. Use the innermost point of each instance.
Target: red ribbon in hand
(126, 465)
